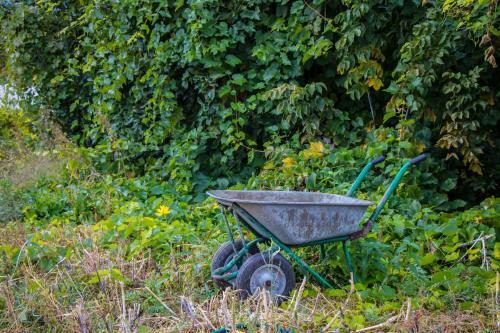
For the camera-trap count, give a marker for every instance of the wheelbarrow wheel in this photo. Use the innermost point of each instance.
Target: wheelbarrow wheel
(224, 255)
(266, 271)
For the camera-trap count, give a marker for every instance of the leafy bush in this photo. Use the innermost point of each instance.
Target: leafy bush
(195, 90)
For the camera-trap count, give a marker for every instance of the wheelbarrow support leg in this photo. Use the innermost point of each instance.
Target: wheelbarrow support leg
(229, 231)
(348, 260)
(242, 235)
(302, 264)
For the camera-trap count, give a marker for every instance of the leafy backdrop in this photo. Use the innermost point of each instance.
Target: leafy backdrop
(201, 90)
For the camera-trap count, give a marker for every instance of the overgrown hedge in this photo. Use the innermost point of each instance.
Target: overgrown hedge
(199, 90)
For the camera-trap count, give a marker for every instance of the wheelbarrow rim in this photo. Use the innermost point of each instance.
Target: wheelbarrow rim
(344, 200)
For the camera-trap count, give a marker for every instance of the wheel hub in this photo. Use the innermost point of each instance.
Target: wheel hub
(269, 277)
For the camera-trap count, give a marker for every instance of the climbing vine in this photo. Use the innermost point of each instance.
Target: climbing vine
(223, 82)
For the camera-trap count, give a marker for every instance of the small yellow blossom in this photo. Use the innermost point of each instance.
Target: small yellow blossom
(289, 162)
(316, 149)
(162, 211)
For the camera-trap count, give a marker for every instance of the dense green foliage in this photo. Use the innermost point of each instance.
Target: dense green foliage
(161, 100)
(198, 89)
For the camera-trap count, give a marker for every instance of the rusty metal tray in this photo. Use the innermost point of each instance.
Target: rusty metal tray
(297, 218)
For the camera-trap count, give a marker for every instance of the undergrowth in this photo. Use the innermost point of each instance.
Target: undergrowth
(64, 279)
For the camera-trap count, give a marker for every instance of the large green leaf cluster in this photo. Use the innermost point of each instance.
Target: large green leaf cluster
(198, 90)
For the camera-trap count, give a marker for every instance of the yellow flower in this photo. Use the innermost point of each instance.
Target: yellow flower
(315, 150)
(289, 162)
(162, 211)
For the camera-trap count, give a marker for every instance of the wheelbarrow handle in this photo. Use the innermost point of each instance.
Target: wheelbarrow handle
(394, 184)
(418, 159)
(378, 160)
(392, 187)
(363, 173)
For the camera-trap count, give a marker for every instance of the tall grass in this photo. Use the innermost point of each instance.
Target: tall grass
(96, 289)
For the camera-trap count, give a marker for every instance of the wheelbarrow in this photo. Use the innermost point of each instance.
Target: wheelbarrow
(289, 219)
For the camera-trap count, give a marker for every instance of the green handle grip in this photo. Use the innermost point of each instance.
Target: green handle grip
(362, 175)
(378, 160)
(418, 159)
(394, 184)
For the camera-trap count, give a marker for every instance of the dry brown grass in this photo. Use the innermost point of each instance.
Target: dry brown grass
(175, 298)
(25, 171)
(22, 166)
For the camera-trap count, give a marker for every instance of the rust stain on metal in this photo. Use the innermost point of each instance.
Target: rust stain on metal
(299, 217)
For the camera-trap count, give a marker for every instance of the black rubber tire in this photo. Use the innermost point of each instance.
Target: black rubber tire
(222, 257)
(242, 281)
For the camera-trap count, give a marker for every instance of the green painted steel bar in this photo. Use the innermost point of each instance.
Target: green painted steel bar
(267, 234)
(229, 231)
(242, 235)
(229, 276)
(394, 185)
(363, 174)
(238, 257)
(359, 179)
(348, 260)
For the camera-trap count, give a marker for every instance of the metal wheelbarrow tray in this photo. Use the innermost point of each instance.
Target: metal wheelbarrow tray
(298, 218)
(289, 219)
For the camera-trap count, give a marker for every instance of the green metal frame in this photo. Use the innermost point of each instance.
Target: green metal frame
(221, 273)
(363, 174)
(264, 235)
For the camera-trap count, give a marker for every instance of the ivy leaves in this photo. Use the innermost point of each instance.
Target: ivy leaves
(224, 80)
